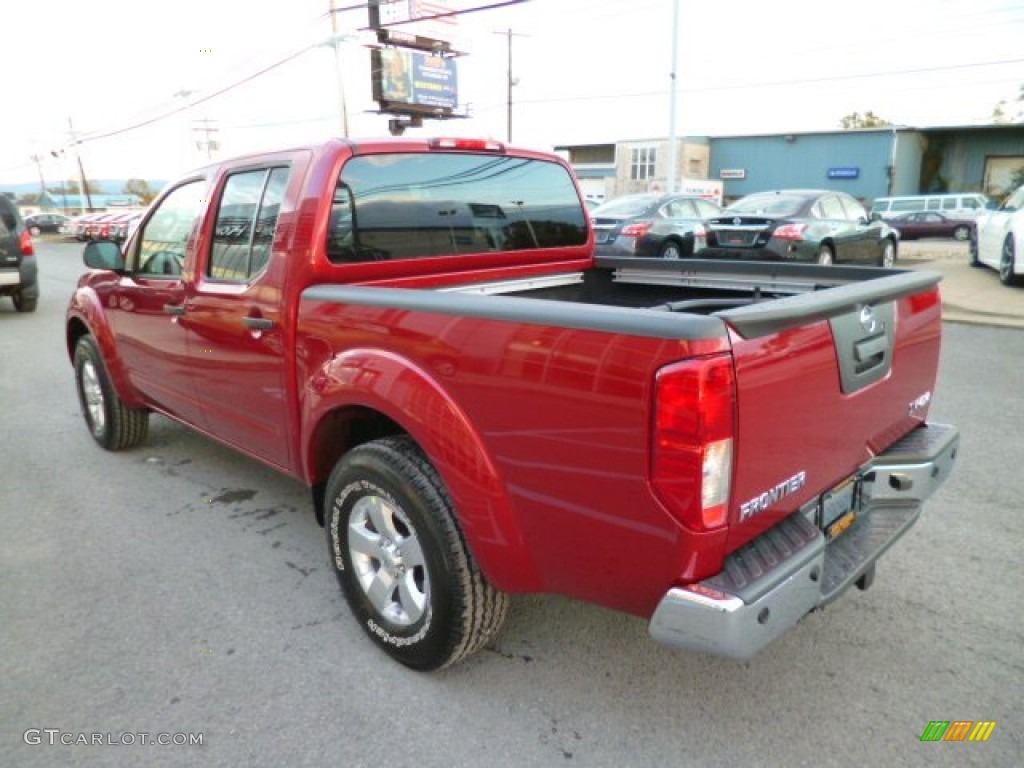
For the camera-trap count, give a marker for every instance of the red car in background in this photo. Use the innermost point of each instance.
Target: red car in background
(917, 224)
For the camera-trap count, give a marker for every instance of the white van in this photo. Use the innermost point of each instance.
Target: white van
(966, 205)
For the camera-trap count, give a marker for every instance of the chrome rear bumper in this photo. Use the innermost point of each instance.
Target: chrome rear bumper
(772, 582)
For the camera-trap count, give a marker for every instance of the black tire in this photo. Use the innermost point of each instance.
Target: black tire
(21, 304)
(1006, 264)
(973, 247)
(111, 423)
(962, 233)
(887, 258)
(401, 560)
(671, 249)
(825, 255)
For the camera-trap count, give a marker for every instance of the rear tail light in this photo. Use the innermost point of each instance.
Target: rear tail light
(636, 230)
(700, 238)
(694, 430)
(790, 232)
(25, 241)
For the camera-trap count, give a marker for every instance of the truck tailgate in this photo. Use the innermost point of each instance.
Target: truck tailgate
(825, 381)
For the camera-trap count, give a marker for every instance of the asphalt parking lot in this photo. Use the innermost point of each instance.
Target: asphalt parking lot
(182, 590)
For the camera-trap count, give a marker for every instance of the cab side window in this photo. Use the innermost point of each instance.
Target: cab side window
(164, 238)
(246, 223)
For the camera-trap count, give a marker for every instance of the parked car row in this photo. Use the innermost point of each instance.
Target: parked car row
(806, 225)
(103, 226)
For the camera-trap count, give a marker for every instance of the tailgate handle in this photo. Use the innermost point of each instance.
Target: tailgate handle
(870, 350)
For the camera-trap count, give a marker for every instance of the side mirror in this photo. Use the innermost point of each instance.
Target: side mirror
(103, 254)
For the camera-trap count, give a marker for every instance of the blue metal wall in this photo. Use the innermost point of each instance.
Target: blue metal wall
(803, 160)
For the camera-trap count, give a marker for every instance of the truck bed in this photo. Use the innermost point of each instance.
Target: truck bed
(746, 294)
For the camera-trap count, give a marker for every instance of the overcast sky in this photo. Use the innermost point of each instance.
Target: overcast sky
(586, 71)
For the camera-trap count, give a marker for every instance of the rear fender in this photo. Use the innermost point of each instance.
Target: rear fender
(374, 381)
(86, 317)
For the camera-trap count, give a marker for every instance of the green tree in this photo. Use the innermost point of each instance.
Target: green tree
(140, 188)
(869, 119)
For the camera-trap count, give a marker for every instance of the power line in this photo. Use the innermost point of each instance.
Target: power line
(775, 83)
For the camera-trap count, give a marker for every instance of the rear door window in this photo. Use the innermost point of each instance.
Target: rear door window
(246, 222)
(830, 208)
(420, 205)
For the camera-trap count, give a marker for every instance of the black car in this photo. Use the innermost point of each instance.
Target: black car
(38, 223)
(18, 271)
(811, 225)
(650, 225)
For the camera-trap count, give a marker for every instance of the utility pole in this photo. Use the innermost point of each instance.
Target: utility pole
(511, 81)
(206, 127)
(672, 149)
(336, 40)
(38, 160)
(81, 169)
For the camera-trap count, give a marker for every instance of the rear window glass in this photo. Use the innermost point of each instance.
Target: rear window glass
(626, 206)
(768, 205)
(408, 206)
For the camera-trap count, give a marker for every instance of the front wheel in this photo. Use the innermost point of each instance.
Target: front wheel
(1007, 261)
(401, 559)
(888, 256)
(962, 233)
(111, 423)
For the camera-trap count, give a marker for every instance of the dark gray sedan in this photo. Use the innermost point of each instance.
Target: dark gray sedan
(811, 225)
(660, 226)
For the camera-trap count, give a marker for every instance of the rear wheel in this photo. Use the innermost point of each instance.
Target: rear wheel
(962, 233)
(112, 424)
(671, 250)
(1007, 261)
(401, 559)
(23, 304)
(825, 255)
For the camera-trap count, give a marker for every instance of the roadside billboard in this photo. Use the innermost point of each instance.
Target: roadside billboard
(411, 81)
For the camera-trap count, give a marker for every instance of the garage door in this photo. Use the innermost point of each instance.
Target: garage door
(1000, 173)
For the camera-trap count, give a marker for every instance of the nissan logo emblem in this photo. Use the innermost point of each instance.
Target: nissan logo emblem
(867, 320)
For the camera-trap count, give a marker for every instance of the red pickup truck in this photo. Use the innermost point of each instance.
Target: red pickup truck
(420, 331)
